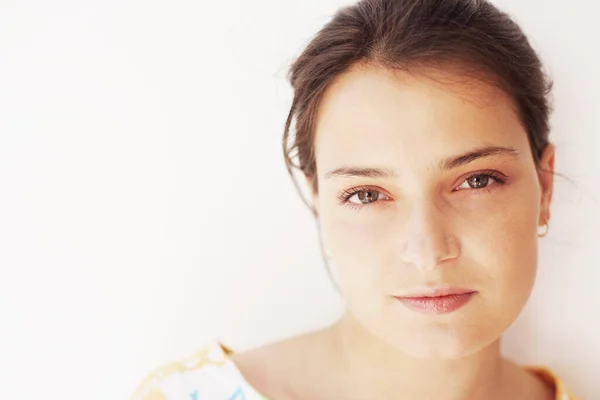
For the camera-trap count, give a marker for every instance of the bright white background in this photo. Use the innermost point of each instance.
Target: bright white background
(145, 206)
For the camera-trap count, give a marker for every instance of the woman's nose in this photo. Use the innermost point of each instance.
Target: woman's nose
(427, 239)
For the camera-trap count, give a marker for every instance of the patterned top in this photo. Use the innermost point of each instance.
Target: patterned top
(209, 374)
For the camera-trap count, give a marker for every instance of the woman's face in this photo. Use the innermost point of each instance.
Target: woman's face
(425, 183)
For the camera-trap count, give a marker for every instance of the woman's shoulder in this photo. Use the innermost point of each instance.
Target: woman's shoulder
(208, 373)
(551, 378)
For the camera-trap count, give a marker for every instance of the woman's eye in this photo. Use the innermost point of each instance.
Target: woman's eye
(366, 196)
(478, 181)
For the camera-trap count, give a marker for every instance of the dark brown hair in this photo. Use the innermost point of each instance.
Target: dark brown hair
(407, 34)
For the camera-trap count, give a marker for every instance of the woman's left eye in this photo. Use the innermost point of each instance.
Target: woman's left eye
(480, 181)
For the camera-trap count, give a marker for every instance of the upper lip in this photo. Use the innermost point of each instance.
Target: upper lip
(435, 291)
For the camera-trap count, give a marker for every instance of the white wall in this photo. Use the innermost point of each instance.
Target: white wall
(144, 203)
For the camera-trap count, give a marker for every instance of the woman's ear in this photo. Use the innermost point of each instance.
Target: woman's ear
(546, 177)
(312, 193)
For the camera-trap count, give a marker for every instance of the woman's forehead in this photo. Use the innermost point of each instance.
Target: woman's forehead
(372, 113)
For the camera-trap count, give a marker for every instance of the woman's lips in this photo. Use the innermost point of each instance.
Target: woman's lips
(437, 301)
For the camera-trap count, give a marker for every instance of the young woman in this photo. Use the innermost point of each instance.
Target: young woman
(421, 128)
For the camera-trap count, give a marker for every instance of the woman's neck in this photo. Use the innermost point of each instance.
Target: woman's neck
(378, 370)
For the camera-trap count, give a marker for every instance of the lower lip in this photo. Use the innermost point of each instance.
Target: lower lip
(437, 305)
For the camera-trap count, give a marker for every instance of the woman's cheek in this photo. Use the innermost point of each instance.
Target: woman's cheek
(354, 236)
(506, 251)
(357, 253)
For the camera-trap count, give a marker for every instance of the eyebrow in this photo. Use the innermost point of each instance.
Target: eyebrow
(443, 165)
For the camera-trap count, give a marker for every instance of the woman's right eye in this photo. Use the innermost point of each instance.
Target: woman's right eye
(365, 196)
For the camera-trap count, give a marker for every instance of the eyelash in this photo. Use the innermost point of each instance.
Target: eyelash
(345, 195)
